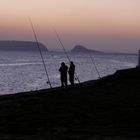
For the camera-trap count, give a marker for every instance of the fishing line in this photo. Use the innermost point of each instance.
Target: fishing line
(60, 41)
(93, 62)
(38, 45)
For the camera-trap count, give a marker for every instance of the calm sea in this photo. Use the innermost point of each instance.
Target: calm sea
(24, 71)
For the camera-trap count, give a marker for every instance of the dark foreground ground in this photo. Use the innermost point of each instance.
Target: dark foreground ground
(105, 109)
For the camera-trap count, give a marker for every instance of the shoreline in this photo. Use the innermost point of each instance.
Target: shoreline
(105, 108)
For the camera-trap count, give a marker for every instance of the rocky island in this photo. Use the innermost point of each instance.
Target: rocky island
(83, 49)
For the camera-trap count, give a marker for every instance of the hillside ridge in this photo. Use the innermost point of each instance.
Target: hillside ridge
(21, 46)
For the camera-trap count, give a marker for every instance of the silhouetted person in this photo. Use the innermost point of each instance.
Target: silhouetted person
(63, 74)
(71, 73)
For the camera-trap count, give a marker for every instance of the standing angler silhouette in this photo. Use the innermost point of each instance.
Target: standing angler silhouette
(63, 74)
(71, 72)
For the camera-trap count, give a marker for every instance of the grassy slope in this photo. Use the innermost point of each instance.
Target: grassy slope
(110, 106)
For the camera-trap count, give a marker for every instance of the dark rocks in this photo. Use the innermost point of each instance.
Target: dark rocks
(80, 48)
(106, 107)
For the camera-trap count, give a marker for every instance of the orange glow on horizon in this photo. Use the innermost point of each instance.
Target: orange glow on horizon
(76, 17)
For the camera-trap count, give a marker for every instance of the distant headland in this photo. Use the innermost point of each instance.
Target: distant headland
(21, 46)
(81, 48)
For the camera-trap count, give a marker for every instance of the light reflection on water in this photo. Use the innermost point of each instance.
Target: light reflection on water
(23, 71)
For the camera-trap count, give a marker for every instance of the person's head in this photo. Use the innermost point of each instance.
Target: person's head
(71, 62)
(62, 64)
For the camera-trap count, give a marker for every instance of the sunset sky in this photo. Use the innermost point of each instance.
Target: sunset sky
(106, 25)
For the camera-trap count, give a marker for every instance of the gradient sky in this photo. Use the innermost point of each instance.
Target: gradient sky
(108, 25)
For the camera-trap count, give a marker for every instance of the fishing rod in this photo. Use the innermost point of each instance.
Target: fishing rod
(60, 41)
(38, 45)
(93, 62)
